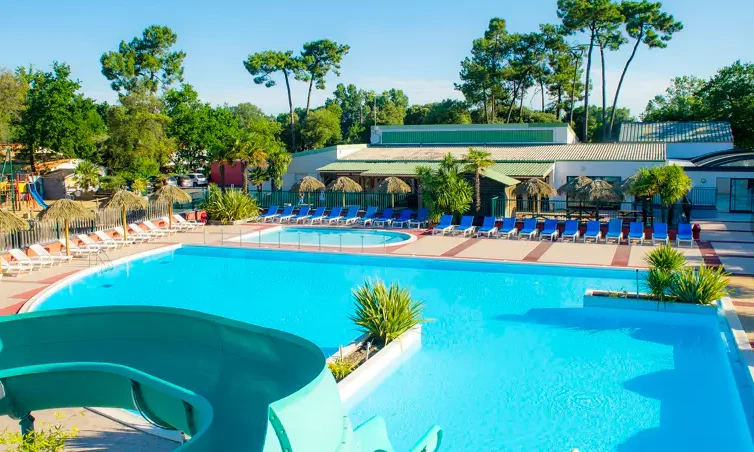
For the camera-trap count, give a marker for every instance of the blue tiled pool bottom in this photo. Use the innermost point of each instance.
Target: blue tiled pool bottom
(327, 237)
(512, 362)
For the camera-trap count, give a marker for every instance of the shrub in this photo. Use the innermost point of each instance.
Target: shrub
(45, 438)
(139, 185)
(111, 182)
(384, 313)
(665, 258)
(658, 282)
(341, 367)
(229, 206)
(704, 285)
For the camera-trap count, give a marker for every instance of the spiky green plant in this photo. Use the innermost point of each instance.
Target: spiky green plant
(704, 285)
(658, 283)
(665, 258)
(384, 313)
(229, 206)
(341, 367)
(45, 438)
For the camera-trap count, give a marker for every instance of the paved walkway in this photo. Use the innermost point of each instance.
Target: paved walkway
(728, 242)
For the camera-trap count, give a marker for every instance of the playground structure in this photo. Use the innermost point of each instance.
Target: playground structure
(226, 384)
(17, 188)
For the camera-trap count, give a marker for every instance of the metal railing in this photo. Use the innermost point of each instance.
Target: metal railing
(703, 197)
(330, 199)
(579, 210)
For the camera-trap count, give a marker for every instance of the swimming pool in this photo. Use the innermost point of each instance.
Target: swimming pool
(512, 362)
(328, 237)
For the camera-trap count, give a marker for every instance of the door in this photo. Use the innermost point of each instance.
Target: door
(742, 195)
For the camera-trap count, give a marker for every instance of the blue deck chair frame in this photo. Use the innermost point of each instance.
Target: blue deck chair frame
(549, 230)
(272, 213)
(403, 219)
(488, 227)
(385, 219)
(593, 231)
(351, 216)
(317, 216)
(335, 216)
(303, 214)
(286, 214)
(614, 231)
(529, 231)
(466, 227)
(445, 225)
(636, 233)
(660, 233)
(684, 235)
(508, 229)
(570, 231)
(422, 219)
(369, 216)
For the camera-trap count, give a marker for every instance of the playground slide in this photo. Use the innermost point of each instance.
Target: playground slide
(35, 194)
(229, 385)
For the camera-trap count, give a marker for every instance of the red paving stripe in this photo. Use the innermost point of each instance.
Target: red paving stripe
(709, 255)
(746, 304)
(620, 259)
(54, 279)
(458, 248)
(12, 309)
(538, 252)
(28, 294)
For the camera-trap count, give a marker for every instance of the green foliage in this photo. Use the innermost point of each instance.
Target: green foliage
(111, 182)
(666, 259)
(277, 166)
(351, 101)
(87, 175)
(669, 181)
(475, 162)
(322, 128)
(139, 185)
(12, 94)
(595, 131)
(704, 285)
(658, 282)
(449, 111)
(318, 59)
(229, 206)
(145, 64)
(444, 190)
(45, 438)
(341, 367)
(384, 313)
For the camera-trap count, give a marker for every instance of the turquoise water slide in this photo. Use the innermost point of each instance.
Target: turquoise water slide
(35, 194)
(227, 384)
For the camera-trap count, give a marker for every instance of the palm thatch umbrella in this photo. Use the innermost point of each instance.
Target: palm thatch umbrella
(125, 200)
(393, 185)
(573, 187)
(66, 210)
(627, 183)
(307, 184)
(10, 222)
(536, 189)
(345, 184)
(599, 190)
(170, 194)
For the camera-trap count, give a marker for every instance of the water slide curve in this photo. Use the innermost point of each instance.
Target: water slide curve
(226, 384)
(35, 194)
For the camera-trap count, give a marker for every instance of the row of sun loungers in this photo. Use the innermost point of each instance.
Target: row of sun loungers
(337, 216)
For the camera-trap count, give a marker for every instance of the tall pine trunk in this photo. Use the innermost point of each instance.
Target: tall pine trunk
(221, 168)
(486, 112)
(521, 105)
(585, 130)
(560, 100)
(292, 124)
(309, 96)
(513, 102)
(245, 175)
(620, 82)
(604, 95)
(542, 93)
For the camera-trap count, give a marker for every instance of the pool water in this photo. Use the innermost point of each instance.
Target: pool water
(512, 360)
(328, 237)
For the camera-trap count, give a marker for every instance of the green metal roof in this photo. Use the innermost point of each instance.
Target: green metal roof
(474, 126)
(676, 132)
(496, 172)
(524, 169)
(410, 136)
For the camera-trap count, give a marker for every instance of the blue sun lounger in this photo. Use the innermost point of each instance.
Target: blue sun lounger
(593, 231)
(614, 231)
(303, 214)
(334, 216)
(684, 235)
(445, 225)
(385, 219)
(368, 217)
(351, 216)
(660, 233)
(571, 230)
(508, 229)
(286, 214)
(488, 227)
(403, 219)
(529, 231)
(270, 215)
(636, 232)
(317, 216)
(550, 230)
(466, 227)
(421, 219)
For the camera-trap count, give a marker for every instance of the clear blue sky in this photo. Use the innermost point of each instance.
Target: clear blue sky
(414, 45)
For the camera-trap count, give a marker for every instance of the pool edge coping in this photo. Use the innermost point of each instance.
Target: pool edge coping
(411, 237)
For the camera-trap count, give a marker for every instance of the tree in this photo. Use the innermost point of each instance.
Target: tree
(87, 175)
(322, 127)
(277, 166)
(12, 93)
(610, 38)
(645, 23)
(263, 65)
(351, 101)
(318, 59)
(391, 106)
(254, 144)
(681, 101)
(56, 117)
(247, 113)
(449, 111)
(476, 161)
(670, 182)
(257, 176)
(594, 134)
(444, 190)
(146, 63)
(592, 17)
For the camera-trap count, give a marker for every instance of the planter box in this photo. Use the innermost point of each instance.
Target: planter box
(359, 383)
(598, 299)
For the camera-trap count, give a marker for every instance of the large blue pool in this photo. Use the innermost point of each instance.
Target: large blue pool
(327, 237)
(512, 362)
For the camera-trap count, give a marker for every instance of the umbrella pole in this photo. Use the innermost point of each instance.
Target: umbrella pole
(170, 215)
(123, 220)
(67, 244)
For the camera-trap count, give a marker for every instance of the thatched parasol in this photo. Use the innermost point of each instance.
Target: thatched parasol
(125, 200)
(308, 184)
(170, 194)
(345, 184)
(536, 189)
(626, 185)
(393, 185)
(65, 210)
(572, 188)
(599, 190)
(9, 222)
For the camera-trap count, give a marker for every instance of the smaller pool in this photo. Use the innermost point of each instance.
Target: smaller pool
(328, 237)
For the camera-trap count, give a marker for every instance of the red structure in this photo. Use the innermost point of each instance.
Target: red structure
(233, 174)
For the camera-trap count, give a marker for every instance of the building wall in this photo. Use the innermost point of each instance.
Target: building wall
(719, 180)
(476, 133)
(691, 150)
(306, 165)
(591, 168)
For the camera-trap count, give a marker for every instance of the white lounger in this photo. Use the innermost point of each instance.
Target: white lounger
(153, 227)
(81, 251)
(89, 243)
(35, 262)
(16, 268)
(139, 237)
(56, 257)
(137, 230)
(104, 238)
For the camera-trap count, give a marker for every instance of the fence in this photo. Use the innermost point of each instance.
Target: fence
(330, 199)
(703, 197)
(103, 219)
